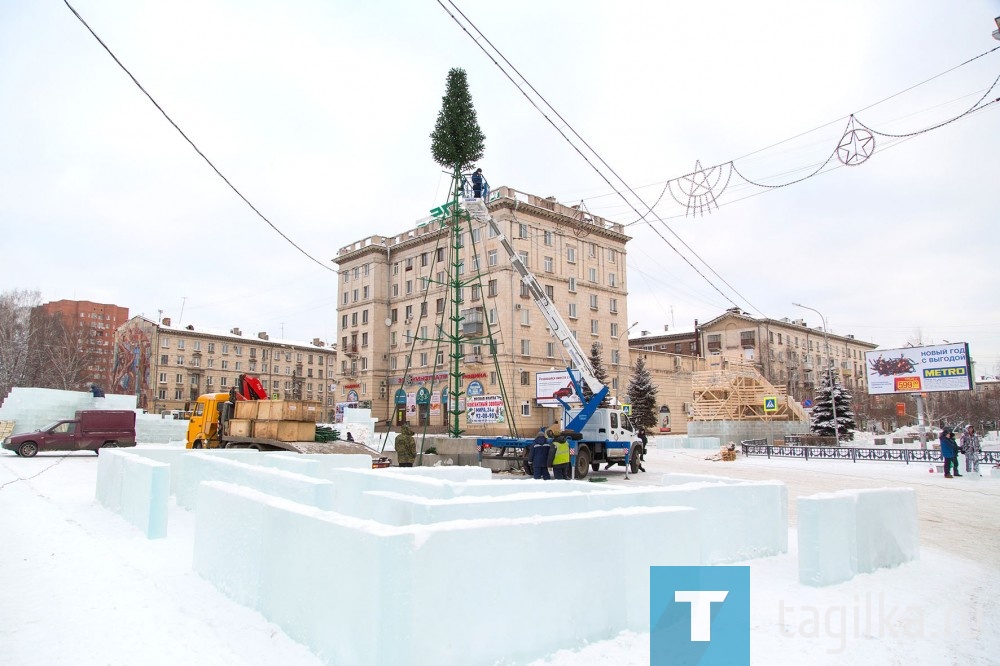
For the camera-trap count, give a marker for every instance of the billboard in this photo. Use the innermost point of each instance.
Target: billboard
(484, 409)
(550, 384)
(919, 369)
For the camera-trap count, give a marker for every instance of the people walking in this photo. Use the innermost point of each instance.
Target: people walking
(406, 447)
(972, 448)
(949, 452)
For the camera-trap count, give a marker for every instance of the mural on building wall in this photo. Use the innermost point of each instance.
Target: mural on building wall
(133, 359)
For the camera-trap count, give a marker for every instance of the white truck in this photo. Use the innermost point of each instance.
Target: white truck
(597, 434)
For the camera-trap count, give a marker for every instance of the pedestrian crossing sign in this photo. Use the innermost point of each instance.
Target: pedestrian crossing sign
(627, 408)
(770, 404)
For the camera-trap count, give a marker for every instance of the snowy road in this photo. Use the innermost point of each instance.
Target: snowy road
(958, 516)
(78, 585)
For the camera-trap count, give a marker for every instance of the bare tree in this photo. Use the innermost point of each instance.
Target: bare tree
(63, 353)
(18, 358)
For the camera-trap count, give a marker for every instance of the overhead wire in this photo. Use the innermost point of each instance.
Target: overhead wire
(592, 151)
(193, 145)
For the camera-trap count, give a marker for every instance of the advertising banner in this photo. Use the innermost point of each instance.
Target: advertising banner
(484, 409)
(919, 369)
(436, 404)
(550, 384)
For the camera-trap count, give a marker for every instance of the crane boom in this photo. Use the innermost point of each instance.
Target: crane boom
(477, 209)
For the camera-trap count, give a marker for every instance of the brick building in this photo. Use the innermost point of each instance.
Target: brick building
(92, 326)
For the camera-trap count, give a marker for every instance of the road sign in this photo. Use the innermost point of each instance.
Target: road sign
(807, 403)
(770, 404)
(627, 408)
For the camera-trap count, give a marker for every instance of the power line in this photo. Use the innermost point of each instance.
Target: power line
(192, 143)
(592, 151)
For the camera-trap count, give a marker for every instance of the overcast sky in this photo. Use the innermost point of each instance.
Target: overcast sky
(319, 112)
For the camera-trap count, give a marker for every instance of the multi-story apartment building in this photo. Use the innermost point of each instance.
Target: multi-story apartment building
(394, 295)
(786, 352)
(92, 326)
(167, 367)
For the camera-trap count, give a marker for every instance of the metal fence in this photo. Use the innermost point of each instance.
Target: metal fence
(760, 447)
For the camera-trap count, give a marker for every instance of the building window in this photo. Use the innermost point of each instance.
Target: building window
(571, 255)
(592, 275)
(550, 349)
(714, 341)
(612, 280)
(572, 310)
(492, 288)
(522, 230)
(225, 364)
(572, 285)
(612, 255)
(164, 359)
(746, 339)
(593, 301)
(614, 306)
(548, 237)
(180, 344)
(524, 258)
(491, 258)
(614, 329)
(163, 378)
(595, 327)
(550, 293)
(525, 378)
(526, 347)
(525, 318)
(165, 343)
(547, 263)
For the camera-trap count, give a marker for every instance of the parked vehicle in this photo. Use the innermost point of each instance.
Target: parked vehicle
(246, 419)
(91, 430)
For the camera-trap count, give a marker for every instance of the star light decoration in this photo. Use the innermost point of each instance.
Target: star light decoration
(701, 187)
(856, 145)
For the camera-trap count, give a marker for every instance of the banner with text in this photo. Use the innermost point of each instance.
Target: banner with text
(484, 409)
(919, 369)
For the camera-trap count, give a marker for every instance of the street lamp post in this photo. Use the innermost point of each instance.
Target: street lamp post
(829, 370)
(618, 376)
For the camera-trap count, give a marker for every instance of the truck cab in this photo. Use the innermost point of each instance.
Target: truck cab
(203, 427)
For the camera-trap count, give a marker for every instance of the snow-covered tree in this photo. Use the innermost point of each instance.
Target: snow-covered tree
(457, 142)
(597, 364)
(642, 394)
(822, 411)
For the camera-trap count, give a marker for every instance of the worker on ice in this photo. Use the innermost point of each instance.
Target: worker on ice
(560, 459)
(971, 447)
(406, 447)
(540, 456)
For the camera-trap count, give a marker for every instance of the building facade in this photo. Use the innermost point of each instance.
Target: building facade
(786, 352)
(395, 295)
(167, 367)
(92, 327)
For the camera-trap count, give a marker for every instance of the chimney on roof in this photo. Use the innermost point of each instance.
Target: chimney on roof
(236, 331)
(263, 335)
(666, 328)
(317, 342)
(190, 327)
(165, 321)
(644, 333)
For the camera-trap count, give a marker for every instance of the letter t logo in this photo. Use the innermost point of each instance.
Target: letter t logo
(701, 610)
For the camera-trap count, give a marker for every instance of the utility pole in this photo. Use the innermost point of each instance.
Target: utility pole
(829, 370)
(618, 377)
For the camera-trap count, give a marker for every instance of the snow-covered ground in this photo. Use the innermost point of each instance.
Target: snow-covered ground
(79, 585)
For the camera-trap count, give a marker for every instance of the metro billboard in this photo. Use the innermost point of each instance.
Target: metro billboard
(919, 369)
